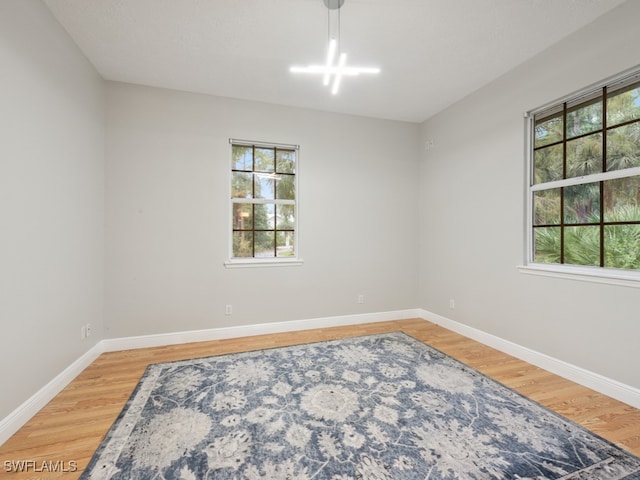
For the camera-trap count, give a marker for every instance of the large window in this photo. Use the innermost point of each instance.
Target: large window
(584, 189)
(263, 203)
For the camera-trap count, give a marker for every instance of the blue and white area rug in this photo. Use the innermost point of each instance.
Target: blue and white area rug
(378, 407)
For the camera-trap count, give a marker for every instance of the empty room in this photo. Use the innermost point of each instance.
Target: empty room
(319, 239)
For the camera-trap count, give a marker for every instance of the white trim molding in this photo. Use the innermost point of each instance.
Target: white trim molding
(263, 262)
(585, 274)
(162, 339)
(21, 415)
(607, 386)
(612, 388)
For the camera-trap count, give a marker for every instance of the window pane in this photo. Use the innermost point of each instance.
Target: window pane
(265, 244)
(622, 246)
(242, 158)
(622, 200)
(548, 131)
(242, 216)
(584, 156)
(546, 245)
(584, 119)
(574, 140)
(263, 201)
(546, 207)
(582, 203)
(243, 244)
(264, 184)
(623, 106)
(285, 244)
(241, 185)
(264, 217)
(582, 245)
(547, 164)
(285, 187)
(286, 161)
(265, 160)
(623, 147)
(285, 218)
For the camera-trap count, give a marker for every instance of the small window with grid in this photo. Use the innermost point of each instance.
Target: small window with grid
(264, 215)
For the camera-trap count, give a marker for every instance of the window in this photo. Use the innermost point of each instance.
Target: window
(264, 208)
(584, 180)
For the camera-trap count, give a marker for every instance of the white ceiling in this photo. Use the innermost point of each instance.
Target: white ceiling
(431, 52)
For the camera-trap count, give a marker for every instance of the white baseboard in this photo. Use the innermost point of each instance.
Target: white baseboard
(21, 415)
(146, 341)
(15, 420)
(607, 386)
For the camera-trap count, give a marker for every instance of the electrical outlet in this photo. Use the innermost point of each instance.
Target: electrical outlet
(87, 330)
(452, 303)
(83, 332)
(360, 298)
(228, 310)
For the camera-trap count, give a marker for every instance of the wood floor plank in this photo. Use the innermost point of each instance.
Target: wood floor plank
(72, 425)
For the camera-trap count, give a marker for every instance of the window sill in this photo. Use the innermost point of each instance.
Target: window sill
(267, 262)
(585, 274)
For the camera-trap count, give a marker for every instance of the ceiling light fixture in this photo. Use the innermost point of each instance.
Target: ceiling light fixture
(340, 69)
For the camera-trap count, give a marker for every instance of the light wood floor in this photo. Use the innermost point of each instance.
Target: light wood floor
(72, 425)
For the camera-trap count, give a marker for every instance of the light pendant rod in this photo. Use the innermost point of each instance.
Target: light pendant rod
(329, 69)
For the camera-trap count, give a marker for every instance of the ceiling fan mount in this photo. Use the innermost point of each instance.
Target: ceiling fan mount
(333, 4)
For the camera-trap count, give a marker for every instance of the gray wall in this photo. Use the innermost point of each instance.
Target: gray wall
(168, 162)
(472, 213)
(369, 224)
(51, 200)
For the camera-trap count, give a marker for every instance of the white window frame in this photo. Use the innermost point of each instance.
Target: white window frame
(597, 274)
(243, 262)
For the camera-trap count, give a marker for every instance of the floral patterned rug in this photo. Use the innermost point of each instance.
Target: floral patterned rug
(378, 407)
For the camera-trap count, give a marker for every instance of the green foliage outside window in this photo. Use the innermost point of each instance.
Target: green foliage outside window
(590, 221)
